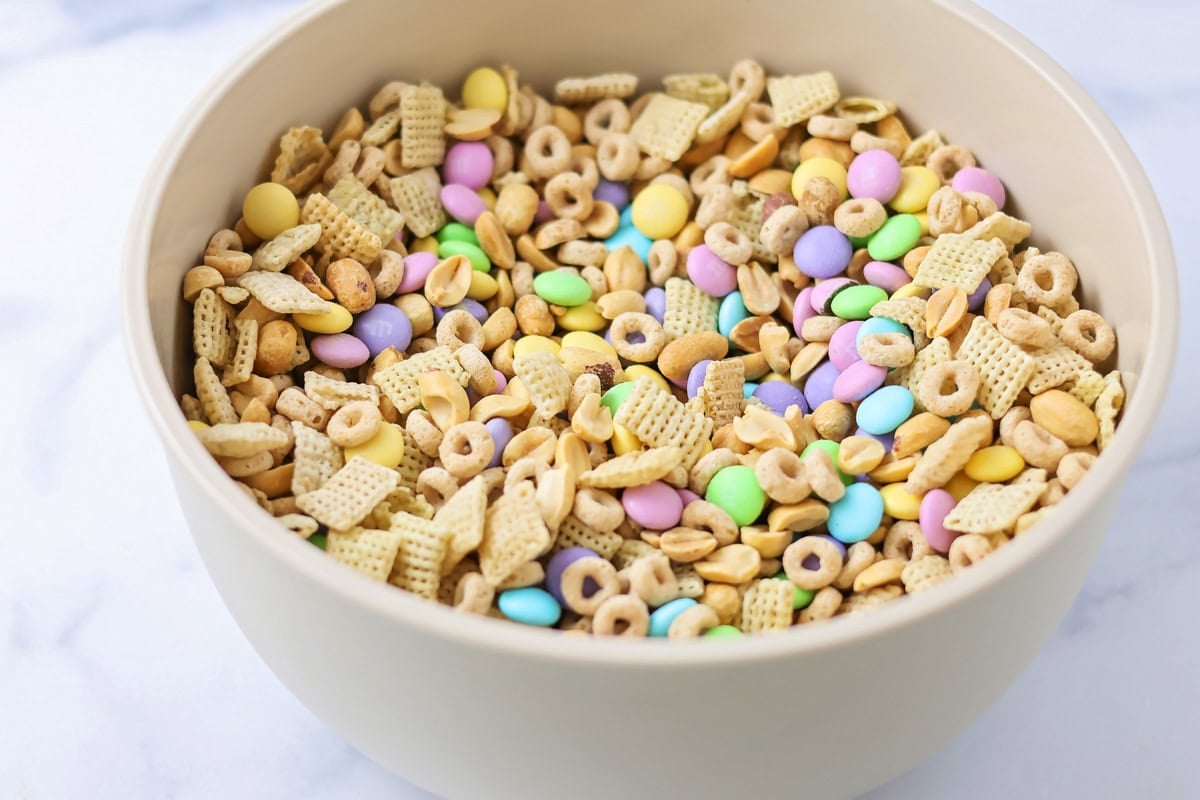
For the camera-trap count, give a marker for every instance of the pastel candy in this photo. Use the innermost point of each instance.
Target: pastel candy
(819, 386)
(977, 179)
(653, 505)
(858, 381)
(696, 376)
(473, 252)
(897, 236)
(842, 348)
(472, 307)
(457, 232)
(687, 496)
(856, 302)
(417, 267)
(710, 274)
(976, 298)
(885, 275)
(382, 326)
(802, 309)
(735, 489)
(612, 192)
(632, 238)
(874, 174)
(779, 395)
(469, 164)
(462, 203)
(502, 433)
(732, 311)
(880, 325)
(884, 409)
(562, 288)
(857, 514)
(935, 506)
(662, 617)
(530, 606)
(341, 350)
(823, 252)
(823, 293)
(656, 303)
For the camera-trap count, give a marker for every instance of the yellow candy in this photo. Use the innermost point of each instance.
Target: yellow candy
(818, 167)
(912, 290)
(485, 88)
(642, 371)
(660, 211)
(582, 318)
(995, 464)
(923, 218)
(960, 485)
(197, 426)
(426, 244)
(528, 345)
(270, 209)
(588, 341)
(488, 197)
(917, 185)
(624, 440)
(483, 286)
(773, 376)
(898, 503)
(385, 448)
(337, 320)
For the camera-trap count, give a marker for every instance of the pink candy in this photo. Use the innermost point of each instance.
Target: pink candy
(886, 276)
(710, 274)
(858, 381)
(935, 505)
(655, 505)
(843, 351)
(802, 309)
(462, 203)
(341, 350)
(468, 163)
(417, 267)
(875, 174)
(823, 292)
(975, 179)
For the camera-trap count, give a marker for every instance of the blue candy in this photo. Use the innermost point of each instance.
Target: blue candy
(748, 388)
(733, 310)
(631, 236)
(664, 615)
(530, 606)
(857, 514)
(884, 409)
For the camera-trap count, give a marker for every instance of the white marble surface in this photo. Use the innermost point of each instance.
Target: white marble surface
(121, 674)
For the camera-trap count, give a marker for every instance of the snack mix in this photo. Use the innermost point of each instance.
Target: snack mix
(722, 358)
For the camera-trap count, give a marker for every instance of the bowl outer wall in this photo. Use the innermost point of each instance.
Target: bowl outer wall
(1076, 180)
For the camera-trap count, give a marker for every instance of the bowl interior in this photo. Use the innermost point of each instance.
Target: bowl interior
(946, 64)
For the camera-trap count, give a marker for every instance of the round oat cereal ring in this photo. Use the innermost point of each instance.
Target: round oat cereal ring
(354, 424)
(949, 159)
(598, 509)
(637, 337)
(623, 615)
(782, 475)
(708, 176)
(569, 196)
(950, 388)
(587, 583)
(1088, 334)
(730, 245)
(813, 562)
(1047, 278)
(548, 151)
(466, 449)
(890, 350)
(693, 622)
(459, 328)
(860, 217)
(617, 156)
(610, 115)
(1025, 328)
(747, 79)
(436, 485)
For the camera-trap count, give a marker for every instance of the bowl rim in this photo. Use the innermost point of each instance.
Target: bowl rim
(503, 637)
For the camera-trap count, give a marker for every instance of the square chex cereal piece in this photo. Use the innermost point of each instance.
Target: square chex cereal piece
(667, 126)
(341, 235)
(418, 563)
(688, 310)
(399, 381)
(423, 114)
(1004, 368)
(282, 293)
(796, 98)
(660, 420)
(367, 550)
(514, 533)
(350, 495)
(993, 507)
(418, 196)
(366, 208)
(955, 260)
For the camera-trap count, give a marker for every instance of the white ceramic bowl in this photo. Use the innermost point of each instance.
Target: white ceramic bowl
(472, 708)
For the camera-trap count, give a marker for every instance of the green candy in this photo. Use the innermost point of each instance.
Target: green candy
(318, 540)
(457, 232)
(562, 288)
(736, 491)
(897, 236)
(613, 398)
(833, 448)
(455, 247)
(722, 632)
(801, 597)
(855, 302)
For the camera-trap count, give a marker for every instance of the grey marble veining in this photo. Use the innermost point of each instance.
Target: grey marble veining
(121, 674)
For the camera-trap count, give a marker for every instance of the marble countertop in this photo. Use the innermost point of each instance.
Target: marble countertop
(122, 675)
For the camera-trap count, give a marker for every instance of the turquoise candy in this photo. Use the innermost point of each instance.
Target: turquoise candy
(880, 325)
(455, 247)
(664, 615)
(883, 410)
(530, 606)
(627, 235)
(736, 491)
(897, 236)
(856, 302)
(733, 311)
(457, 232)
(748, 388)
(562, 288)
(833, 448)
(613, 398)
(857, 514)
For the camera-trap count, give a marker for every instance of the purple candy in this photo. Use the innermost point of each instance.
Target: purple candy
(687, 496)
(696, 376)
(656, 303)
(382, 326)
(819, 386)
(710, 274)
(975, 301)
(842, 350)
(544, 212)
(875, 174)
(935, 505)
(802, 309)
(468, 163)
(823, 292)
(417, 267)
(858, 381)
(462, 203)
(340, 350)
(779, 395)
(612, 192)
(823, 252)
(886, 276)
(975, 179)
(502, 434)
(472, 307)
(885, 439)
(557, 564)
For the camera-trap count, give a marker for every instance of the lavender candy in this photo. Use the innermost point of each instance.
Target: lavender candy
(382, 326)
(778, 395)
